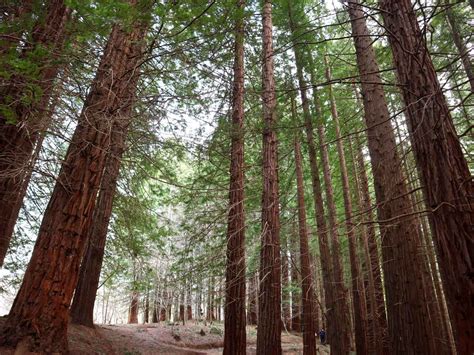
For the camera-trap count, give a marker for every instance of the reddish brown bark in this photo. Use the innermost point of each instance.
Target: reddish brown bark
(285, 295)
(307, 291)
(316, 186)
(40, 310)
(446, 179)
(133, 309)
(252, 311)
(460, 45)
(408, 319)
(234, 325)
(295, 281)
(146, 310)
(378, 317)
(360, 312)
(340, 329)
(19, 133)
(269, 312)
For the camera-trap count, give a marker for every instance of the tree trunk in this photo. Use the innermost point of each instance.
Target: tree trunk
(317, 190)
(408, 321)
(252, 301)
(235, 341)
(446, 179)
(133, 310)
(21, 123)
(295, 281)
(285, 284)
(41, 307)
(360, 311)
(460, 45)
(146, 311)
(307, 291)
(269, 317)
(340, 329)
(372, 255)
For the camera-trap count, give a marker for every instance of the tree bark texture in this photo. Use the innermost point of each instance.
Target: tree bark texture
(21, 127)
(235, 341)
(269, 312)
(360, 311)
(446, 179)
(307, 291)
(408, 321)
(460, 45)
(340, 328)
(40, 310)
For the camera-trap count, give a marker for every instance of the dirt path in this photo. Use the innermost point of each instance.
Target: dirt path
(151, 339)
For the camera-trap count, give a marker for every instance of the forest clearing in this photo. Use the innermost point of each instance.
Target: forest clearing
(237, 176)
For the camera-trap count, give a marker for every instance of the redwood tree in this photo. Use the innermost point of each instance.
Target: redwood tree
(40, 310)
(408, 321)
(307, 291)
(446, 179)
(23, 116)
(269, 319)
(234, 309)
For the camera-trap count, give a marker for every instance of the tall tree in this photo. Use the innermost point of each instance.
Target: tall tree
(459, 43)
(269, 312)
(360, 311)
(446, 179)
(315, 173)
(40, 309)
(307, 291)
(24, 103)
(409, 328)
(341, 320)
(234, 325)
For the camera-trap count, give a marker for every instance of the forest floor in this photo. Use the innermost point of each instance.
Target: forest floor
(148, 339)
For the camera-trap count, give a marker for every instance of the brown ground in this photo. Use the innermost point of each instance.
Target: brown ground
(150, 339)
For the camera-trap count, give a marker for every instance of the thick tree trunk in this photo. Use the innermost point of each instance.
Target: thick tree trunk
(446, 179)
(40, 310)
(82, 308)
(307, 291)
(235, 341)
(133, 310)
(21, 126)
(269, 316)
(460, 45)
(360, 311)
(408, 321)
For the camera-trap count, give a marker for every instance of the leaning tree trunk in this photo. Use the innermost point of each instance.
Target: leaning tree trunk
(409, 328)
(360, 311)
(235, 341)
(82, 308)
(307, 291)
(446, 179)
(133, 310)
(21, 122)
(40, 310)
(269, 312)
